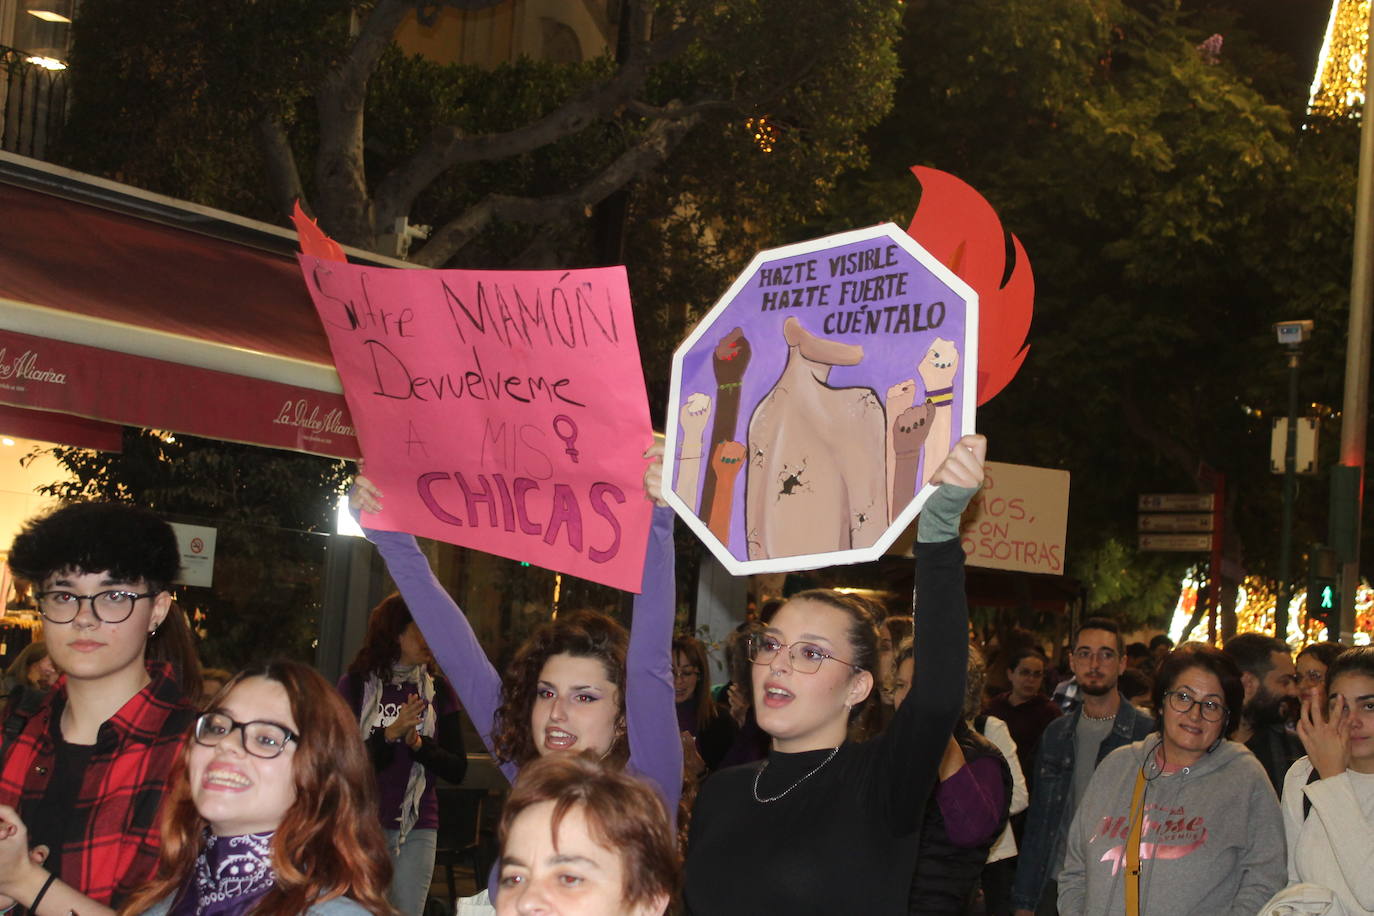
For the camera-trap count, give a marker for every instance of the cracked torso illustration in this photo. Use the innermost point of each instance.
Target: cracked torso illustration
(816, 480)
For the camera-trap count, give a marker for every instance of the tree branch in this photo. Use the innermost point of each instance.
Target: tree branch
(448, 146)
(652, 149)
(340, 177)
(283, 177)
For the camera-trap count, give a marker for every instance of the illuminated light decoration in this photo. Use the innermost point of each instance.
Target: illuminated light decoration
(47, 63)
(49, 16)
(1255, 601)
(1338, 85)
(764, 134)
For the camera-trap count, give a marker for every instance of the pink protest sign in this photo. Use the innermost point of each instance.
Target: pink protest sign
(500, 410)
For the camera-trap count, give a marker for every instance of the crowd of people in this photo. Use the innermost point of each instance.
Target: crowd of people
(851, 764)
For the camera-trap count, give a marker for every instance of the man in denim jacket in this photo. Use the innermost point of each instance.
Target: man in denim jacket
(1070, 750)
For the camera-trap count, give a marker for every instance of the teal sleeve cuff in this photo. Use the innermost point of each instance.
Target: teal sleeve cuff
(939, 519)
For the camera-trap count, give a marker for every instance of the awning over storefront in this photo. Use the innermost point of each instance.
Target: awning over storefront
(128, 308)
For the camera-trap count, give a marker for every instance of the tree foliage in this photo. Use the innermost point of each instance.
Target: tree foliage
(271, 510)
(1172, 212)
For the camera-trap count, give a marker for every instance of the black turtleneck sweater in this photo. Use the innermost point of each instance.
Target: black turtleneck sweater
(845, 840)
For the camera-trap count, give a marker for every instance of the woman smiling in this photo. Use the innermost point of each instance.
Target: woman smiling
(271, 808)
(1184, 822)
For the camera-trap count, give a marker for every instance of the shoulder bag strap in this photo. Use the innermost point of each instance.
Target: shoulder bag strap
(1133, 845)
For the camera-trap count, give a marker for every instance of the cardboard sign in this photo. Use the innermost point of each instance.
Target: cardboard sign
(500, 410)
(811, 405)
(1018, 520)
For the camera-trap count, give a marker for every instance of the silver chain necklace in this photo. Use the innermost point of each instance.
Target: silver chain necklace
(783, 793)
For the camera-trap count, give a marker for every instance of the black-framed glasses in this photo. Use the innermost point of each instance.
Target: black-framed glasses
(113, 606)
(805, 657)
(685, 672)
(1182, 701)
(261, 739)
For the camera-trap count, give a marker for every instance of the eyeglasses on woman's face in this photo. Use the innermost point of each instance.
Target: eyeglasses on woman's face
(1182, 701)
(113, 606)
(261, 739)
(805, 657)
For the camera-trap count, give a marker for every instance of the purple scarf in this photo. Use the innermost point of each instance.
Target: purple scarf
(232, 874)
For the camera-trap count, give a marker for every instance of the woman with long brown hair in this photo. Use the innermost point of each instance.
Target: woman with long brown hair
(825, 824)
(271, 807)
(580, 683)
(409, 717)
(700, 718)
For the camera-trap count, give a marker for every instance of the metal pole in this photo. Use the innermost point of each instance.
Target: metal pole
(1355, 409)
(1290, 480)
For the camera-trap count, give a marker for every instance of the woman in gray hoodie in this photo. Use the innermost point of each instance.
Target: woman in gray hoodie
(1211, 839)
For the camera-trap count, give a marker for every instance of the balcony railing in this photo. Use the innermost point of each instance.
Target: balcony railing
(33, 101)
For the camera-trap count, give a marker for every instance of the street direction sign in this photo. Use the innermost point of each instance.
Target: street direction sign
(1197, 522)
(1176, 502)
(1176, 542)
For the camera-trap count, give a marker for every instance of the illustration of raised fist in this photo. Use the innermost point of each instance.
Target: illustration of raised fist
(694, 415)
(731, 358)
(910, 430)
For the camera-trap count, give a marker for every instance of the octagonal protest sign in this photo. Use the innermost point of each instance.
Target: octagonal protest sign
(810, 406)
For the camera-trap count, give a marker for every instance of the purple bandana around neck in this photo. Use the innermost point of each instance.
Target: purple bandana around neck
(232, 874)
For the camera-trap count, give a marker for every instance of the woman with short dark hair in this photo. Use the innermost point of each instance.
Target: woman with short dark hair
(1192, 814)
(579, 837)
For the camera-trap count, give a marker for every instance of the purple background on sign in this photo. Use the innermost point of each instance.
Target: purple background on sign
(888, 358)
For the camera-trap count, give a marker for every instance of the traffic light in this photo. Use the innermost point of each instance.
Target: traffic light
(1323, 567)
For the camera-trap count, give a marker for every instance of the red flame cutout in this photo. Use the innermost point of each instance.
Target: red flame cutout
(959, 227)
(312, 238)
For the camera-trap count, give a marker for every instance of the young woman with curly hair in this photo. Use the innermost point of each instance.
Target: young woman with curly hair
(270, 807)
(410, 720)
(580, 683)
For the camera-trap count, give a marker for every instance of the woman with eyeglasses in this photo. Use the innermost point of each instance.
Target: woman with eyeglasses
(823, 825)
(579, 683)
(1184, 822)
(707, 729)
(1311, 664)
(1328, 796)
(271, 808)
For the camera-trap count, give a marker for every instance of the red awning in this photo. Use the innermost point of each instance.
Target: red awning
(117, 317)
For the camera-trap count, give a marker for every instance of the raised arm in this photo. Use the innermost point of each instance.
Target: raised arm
(446, 628)
(650, 706)
(916, 738)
